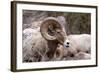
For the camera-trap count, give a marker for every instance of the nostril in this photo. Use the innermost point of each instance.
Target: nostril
(67, 42)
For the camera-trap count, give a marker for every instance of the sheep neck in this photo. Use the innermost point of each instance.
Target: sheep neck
(52, 45)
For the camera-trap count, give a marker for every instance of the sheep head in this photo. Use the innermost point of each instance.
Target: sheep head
(52, 29)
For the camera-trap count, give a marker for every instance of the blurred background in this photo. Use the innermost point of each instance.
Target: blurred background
(77, 23)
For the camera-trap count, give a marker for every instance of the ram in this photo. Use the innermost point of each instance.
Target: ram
(40, 45)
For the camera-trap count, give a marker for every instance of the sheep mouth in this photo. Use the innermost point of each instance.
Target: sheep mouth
(66, 46)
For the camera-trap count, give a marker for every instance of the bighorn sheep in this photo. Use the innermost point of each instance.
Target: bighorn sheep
(77, 43)
(77, 47)
(45, 41)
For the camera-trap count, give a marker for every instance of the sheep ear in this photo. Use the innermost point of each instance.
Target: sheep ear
(48, 28)
(62, 20)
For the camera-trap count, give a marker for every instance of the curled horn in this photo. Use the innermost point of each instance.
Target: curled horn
(59, 53)
(49, 27)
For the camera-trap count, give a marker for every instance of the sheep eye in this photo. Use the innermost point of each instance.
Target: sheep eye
(58, 32)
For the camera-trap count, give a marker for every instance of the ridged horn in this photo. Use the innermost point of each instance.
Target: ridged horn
(49, 27)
